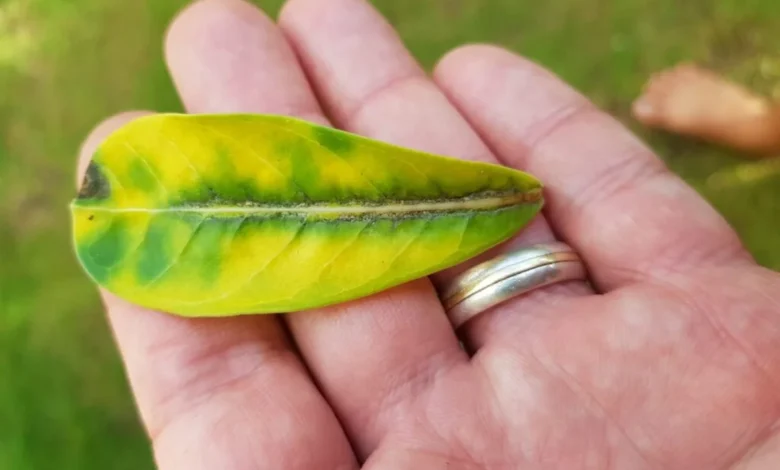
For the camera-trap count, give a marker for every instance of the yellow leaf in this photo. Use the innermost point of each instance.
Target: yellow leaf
(215, 215)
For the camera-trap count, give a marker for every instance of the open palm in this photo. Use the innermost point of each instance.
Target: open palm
(669, 359)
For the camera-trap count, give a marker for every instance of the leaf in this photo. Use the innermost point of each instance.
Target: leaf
(215, 215)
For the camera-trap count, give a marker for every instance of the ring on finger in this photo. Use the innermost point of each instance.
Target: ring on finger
(504, 277)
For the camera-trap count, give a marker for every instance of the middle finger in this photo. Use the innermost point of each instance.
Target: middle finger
(371, 85)
(368, 355)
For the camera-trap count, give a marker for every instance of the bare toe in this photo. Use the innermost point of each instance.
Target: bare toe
(647, 107)
(690, 100)
(644, 110)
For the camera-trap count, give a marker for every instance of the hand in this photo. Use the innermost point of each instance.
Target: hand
(674, 363)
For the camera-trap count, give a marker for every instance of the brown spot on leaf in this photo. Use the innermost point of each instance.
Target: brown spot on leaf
(95, 184)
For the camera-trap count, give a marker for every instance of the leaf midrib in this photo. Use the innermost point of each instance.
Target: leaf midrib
(486, 203)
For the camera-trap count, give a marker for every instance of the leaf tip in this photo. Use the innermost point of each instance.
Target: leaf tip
(95, 185)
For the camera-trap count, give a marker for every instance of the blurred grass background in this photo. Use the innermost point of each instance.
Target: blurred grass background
(65, 65)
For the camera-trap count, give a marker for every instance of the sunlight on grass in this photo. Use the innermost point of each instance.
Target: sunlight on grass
(745, 174)
(770, 70)
(17, 38)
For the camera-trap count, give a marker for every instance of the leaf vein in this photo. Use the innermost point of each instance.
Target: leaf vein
(258, 156)
(350, 244)
(186, 158)
(462, 235)
(254, 275)
(428, 179)
(337, 156)
(465, 229)
(149, 167)
(111, 173)
(392, 262)
(178, 256)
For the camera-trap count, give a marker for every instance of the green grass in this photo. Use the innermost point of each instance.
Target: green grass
(65, 65)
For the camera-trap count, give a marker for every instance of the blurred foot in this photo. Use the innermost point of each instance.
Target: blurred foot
(695, 102)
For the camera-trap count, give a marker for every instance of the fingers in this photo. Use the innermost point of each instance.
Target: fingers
(228, 57)
(206, 386)
(371, 85)
(227, 392)
(369, 356)
(607, 194)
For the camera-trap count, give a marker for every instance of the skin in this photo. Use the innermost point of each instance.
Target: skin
(696, 102)
(670, 361)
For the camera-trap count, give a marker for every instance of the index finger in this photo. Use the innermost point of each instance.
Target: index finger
(200, 381)
(225, 392)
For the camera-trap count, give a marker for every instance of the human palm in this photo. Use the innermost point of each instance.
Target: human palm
(668, 359)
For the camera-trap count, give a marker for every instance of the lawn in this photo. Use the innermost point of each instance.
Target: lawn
(64, 65)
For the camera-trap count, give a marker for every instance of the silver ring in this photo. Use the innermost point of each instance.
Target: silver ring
(504, 277)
